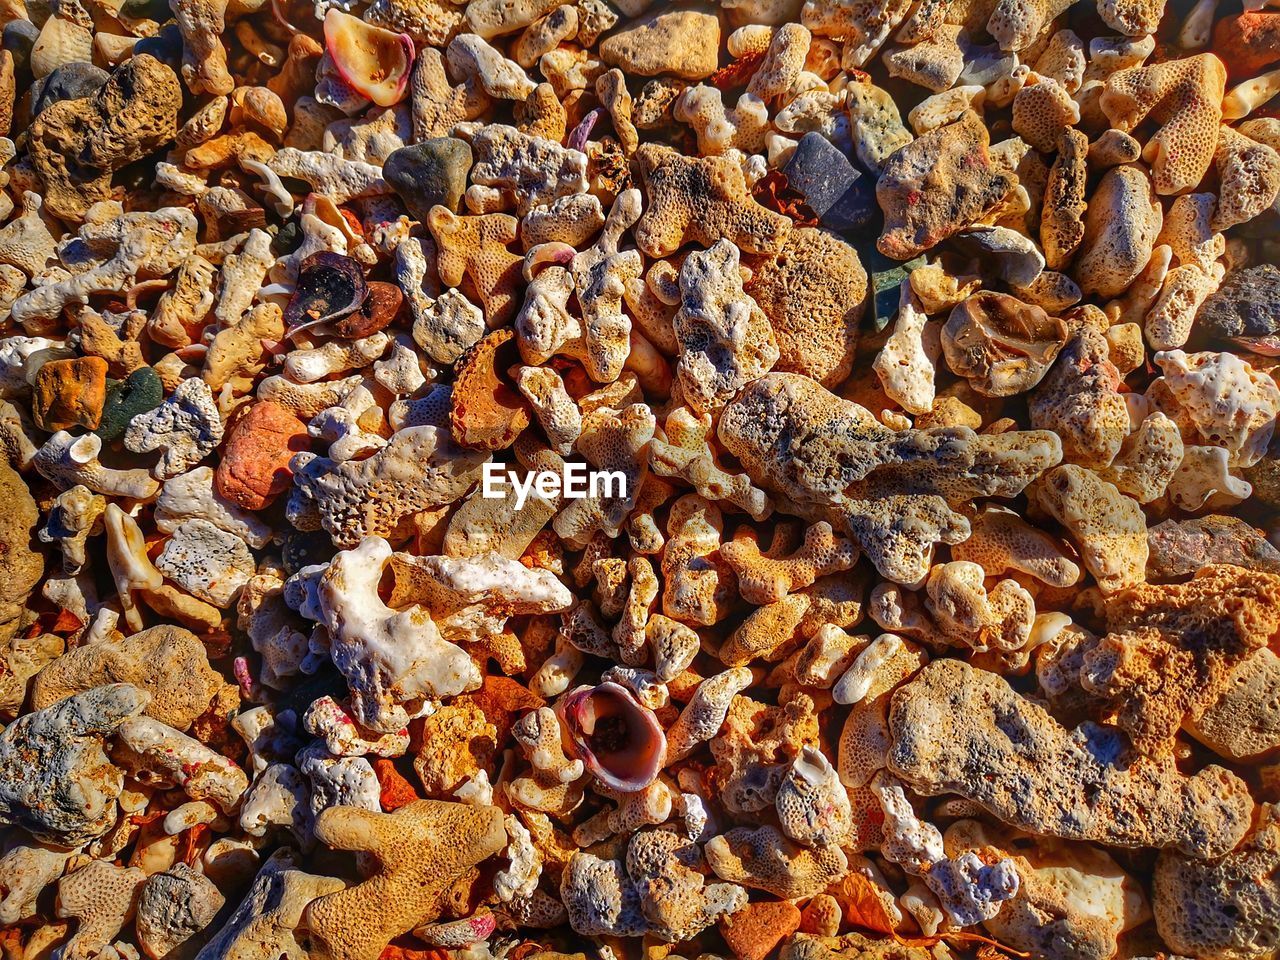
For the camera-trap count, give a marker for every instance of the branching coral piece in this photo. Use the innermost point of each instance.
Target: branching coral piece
(416, 855)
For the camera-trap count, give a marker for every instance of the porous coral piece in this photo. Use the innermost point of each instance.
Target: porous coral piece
(1225, 907)
(764, 859)
(906, 363)
(101, 896)
(667, 871)
(1072, 900)
(1230, 404)
(938, 185)
(1079, 400)
(812, 804)
(612, 441)
(485, 413)
(77, 145)
(174, 908)
(419, 468)
(766, 577)
(1173, 649)
(1185, 98)
(600, 277)
(1002, 542)
(701, 200)
(186, 428)
(1121, 224)
(1249, 174)
(957, 729)
(725, 339)
(57, 782)
(1062, 217)
(1043, 111)
(890, 489)
(414, 855)
(124, 247)
(1108, 527)
(476, 248)
(152, 752)
(389, 657)
(813, 293)
(169, 663)
(206, 561)
(686, 453)
(269, 918)
(527, 170)
(20, 566)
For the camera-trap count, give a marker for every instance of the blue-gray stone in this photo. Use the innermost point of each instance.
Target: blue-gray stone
(831, 186)
(18, 38)
(71, 81)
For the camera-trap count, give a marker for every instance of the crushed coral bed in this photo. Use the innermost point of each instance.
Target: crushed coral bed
(639, 480)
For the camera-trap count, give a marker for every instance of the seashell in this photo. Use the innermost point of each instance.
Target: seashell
(616, 738)
(373, 61)
(330, 286)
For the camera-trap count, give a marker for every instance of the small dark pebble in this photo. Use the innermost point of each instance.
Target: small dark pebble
(137, 393)
(71, 81)
(425, 174)
(839, 194)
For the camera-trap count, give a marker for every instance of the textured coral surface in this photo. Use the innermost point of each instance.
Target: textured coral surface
(639, 479)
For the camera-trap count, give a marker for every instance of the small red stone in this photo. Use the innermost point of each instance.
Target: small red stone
(754, 931)
(255, 465)
(396, 790)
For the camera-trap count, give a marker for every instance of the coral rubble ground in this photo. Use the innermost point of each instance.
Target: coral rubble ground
(924, 600)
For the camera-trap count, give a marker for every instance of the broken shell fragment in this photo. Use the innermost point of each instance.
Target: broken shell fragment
(618, 739)
(1000, 344)
(375, 62)
(330, 286)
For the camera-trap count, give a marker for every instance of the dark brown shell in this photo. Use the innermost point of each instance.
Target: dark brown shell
(329, 287)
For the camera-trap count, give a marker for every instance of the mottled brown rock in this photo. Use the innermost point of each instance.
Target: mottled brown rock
(685, 43)
(937, 185)
(70, 393)
(1178, 548)
(20, 566)
(254, 469)
(76, 145)
(167, 662)
(1223, 909)
(960, 730)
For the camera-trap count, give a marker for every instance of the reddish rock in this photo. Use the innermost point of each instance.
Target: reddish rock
(255, 465)
(754, 931)
(1247, 43)
(396, 790)
(70, 393)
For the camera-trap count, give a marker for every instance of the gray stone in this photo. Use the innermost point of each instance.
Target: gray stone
(1246, 305)
(429, 173)
(174, 909)
(833, 189)
(71, 81)
(1181, 547)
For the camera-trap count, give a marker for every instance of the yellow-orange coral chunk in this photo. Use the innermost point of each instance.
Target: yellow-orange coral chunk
(1185, 98)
